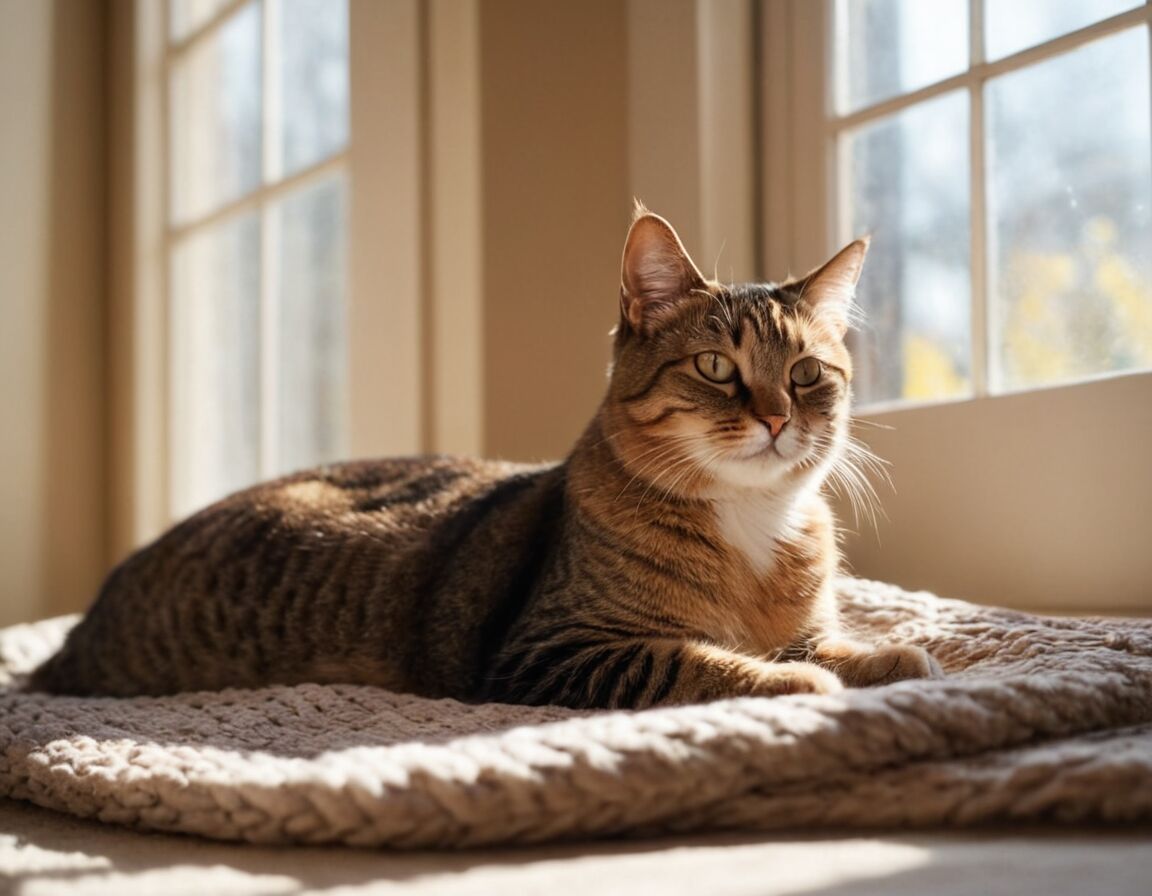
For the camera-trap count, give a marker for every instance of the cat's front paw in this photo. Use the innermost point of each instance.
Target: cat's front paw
(898, 662)
(797, 678)
(865, 665)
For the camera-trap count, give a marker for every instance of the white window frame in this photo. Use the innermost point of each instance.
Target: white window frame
(1066, 529)
(386, 271)
(274, 184)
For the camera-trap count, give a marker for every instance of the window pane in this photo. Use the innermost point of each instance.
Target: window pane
(215, 334)
(906, 183)
(313, 80)
(889, 47)
(312, 358)
(215, 95)
(1019, 24)
(1070, 181)
(185, 16)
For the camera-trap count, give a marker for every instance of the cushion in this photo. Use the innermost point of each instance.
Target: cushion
(1039, 719)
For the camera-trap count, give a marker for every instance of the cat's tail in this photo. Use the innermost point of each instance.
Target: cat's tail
(76, 668)
(61, 673)
(91, 660)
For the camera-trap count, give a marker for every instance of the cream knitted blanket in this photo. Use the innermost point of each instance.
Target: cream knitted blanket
(1039, 719)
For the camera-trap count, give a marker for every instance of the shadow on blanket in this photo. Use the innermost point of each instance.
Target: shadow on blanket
(1040, 719)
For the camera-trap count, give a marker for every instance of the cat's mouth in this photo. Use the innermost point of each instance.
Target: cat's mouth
(764, 455)
(766, 446)
(788, 450)
(769, 450)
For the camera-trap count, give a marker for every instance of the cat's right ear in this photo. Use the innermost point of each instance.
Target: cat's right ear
(655, 273)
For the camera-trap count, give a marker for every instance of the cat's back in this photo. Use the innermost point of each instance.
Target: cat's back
(400, 501)
(387, 572)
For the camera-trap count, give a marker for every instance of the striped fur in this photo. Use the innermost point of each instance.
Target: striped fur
(680, 553)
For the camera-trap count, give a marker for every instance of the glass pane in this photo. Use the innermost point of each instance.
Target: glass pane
(1070, 193)
(185, 16)
(215, 95)
(310, 304)
(889, 47)
(906, 183)
(312, 77)
(215, 333)
(1019, 24)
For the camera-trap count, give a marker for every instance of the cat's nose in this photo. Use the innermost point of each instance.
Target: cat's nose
(775, 423)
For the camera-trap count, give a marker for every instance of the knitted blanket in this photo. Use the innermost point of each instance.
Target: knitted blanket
(1039, 719)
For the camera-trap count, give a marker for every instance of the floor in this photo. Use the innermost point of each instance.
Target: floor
(43, 853)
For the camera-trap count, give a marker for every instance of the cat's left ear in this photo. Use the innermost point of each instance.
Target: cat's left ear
(655, 272)
(828, 291)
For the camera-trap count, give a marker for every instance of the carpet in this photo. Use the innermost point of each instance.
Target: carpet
(1038, 720)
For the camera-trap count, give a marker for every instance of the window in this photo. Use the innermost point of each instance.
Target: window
(1000, 155)
(255, 240)
(998, 151)
(265, 315)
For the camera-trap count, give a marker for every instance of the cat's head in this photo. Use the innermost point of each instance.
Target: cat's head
(735, 385)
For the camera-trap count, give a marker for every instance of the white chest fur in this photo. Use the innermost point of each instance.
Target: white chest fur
(751, 522)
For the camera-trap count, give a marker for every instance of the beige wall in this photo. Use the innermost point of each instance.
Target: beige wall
(51, 295)
(555, 211)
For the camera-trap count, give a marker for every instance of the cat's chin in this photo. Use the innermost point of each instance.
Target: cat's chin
(764, 469)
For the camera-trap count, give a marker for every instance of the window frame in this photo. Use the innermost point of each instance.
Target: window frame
(993, 501)
(798, 39)
(382, 159)
(274, 185)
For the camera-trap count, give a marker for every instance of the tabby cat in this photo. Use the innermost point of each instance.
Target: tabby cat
(683, 552)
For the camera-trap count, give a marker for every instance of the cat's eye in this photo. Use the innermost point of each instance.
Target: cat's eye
(805, 372)
(716, 367)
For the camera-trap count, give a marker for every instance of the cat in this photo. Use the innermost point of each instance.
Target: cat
(683, 552)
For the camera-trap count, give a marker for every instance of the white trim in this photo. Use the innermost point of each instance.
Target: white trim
(147, 311)
(881, 408)
(979, 339)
